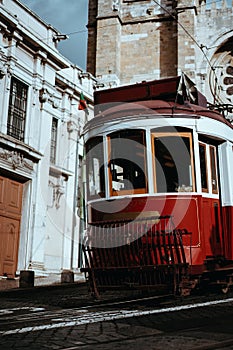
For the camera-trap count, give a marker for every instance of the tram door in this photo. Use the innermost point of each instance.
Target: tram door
(10, 216)
(211, 222)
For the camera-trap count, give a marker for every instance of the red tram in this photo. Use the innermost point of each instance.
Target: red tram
(159, 189)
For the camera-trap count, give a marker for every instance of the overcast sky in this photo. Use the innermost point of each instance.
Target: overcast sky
(69, 17)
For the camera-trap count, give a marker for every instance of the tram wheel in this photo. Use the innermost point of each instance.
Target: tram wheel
(225, 289)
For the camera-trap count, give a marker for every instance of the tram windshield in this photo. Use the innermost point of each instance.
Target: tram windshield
(173, 162)
(127, 162)
(124, 169)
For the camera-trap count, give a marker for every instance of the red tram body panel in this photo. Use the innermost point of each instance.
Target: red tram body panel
(227, 219)
(158, 187)
(195, 214)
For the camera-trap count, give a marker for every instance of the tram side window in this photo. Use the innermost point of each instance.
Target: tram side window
(95, 167)
(203, 167)
(173, 162)
(213, 167)
(208, 168)
(127, 164)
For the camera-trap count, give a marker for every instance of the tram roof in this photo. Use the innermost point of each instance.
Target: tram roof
(170, 97)
(175, 89)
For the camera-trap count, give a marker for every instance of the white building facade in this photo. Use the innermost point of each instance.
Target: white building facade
(40, 146)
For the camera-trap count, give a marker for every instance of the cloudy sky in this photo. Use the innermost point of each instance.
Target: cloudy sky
(69, 17)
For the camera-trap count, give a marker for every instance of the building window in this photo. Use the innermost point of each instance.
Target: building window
(173, 162)
(17, 109)
(127, 162)
(53, 144)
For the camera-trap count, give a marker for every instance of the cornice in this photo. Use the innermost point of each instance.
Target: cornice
(11, 145)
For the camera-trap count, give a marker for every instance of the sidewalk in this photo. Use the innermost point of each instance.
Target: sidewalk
(50, 279)
(48, 292)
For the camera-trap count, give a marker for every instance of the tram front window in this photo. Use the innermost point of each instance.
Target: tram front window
(127, 162)
(95, 167)
(173, 162)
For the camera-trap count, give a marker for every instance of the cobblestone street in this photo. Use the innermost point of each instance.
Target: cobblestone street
(65, 317)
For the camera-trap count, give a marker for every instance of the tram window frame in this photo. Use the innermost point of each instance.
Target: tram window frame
(191, 187)
(211, 166)
(117, 163)
(204, 189)
(213, 169)
(95, 167)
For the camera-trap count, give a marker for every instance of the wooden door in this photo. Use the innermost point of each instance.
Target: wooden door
(10, 216)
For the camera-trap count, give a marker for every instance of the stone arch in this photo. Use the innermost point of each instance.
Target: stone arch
(220, 78)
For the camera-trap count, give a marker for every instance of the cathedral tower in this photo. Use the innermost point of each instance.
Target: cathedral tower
(130, 41)
(135, 40)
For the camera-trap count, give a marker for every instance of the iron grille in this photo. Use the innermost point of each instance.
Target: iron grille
(17, 109)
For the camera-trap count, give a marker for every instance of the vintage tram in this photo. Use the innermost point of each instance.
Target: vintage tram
(159, 190)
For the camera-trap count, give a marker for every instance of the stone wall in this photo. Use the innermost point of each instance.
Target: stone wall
(144, 40)
(130, 35)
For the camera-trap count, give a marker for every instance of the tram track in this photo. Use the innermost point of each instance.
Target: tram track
(78, 298)
(154, 300)
(105, 323)
(26, 320)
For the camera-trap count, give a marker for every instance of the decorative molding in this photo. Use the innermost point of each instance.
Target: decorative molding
(58, 191)
(3, 64)
(3, 70)
(16, 160)
(57, 172)
(73, 126)
(46, 96)
(43, 95)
